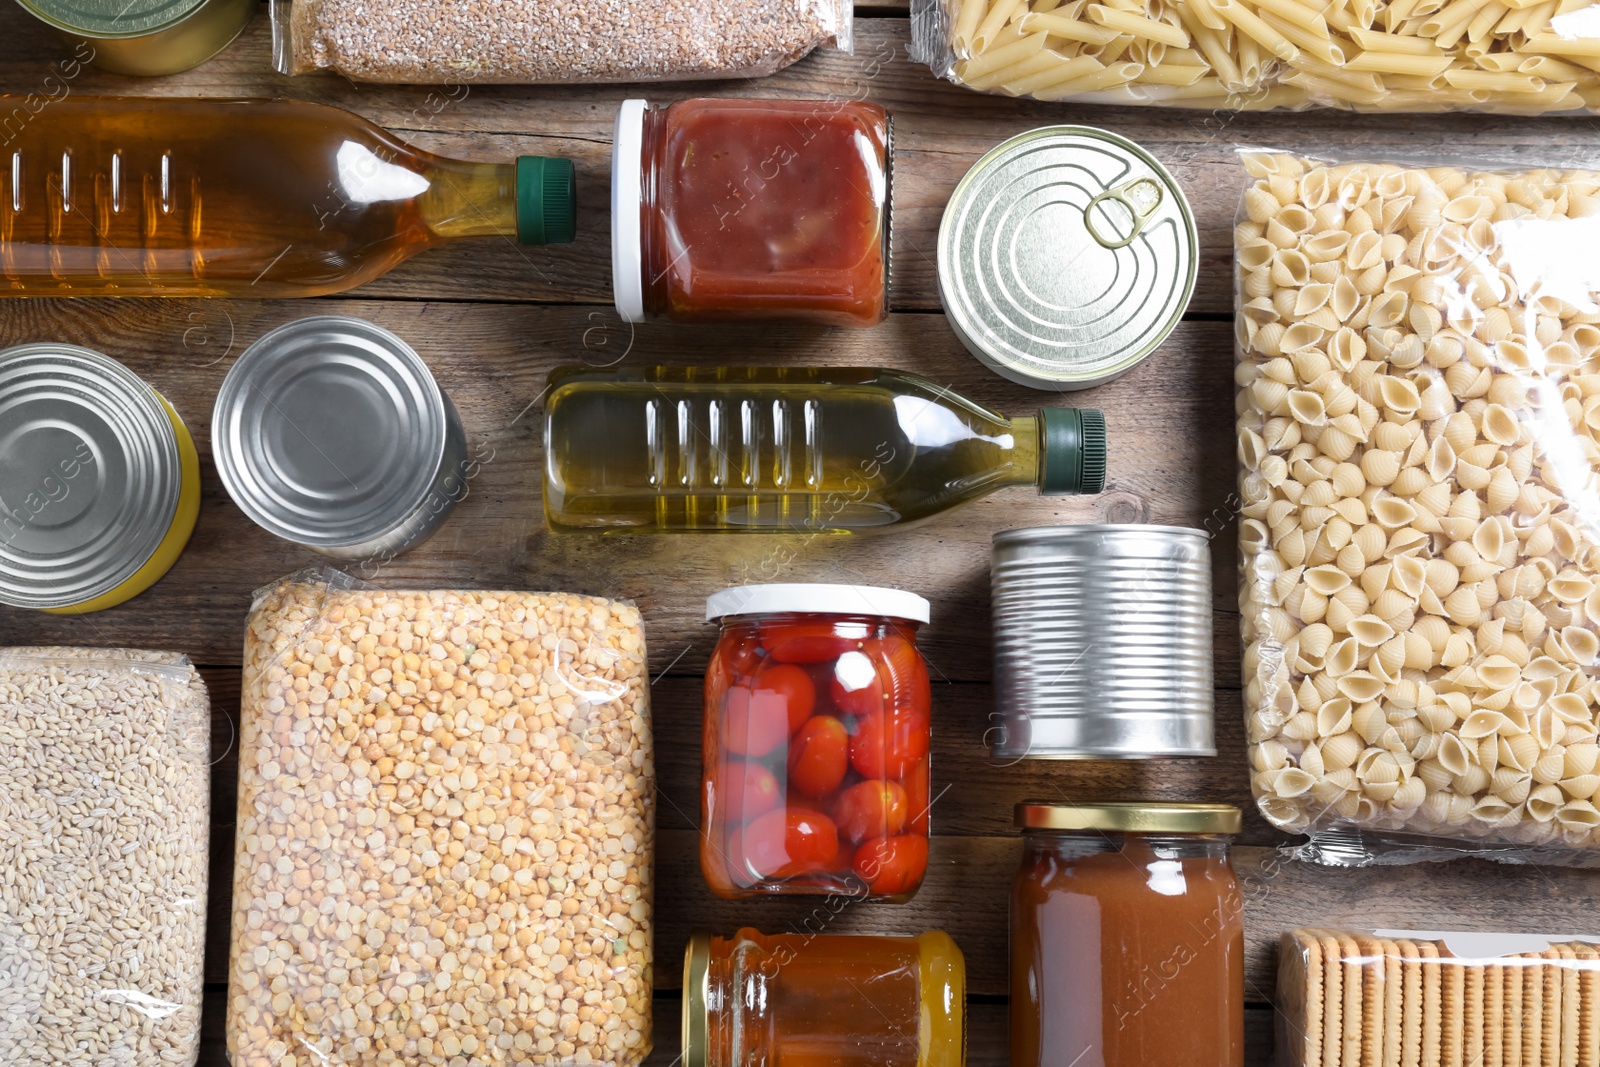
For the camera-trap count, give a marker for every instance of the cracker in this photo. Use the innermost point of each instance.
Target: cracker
(1514, 992)
(1350, 958)
(1432, 1003)
(1550, 1023)
(1472, 982)
(1588, 1004)
(1372, 1001)
(1332, 1003)
(1300, 996)
(1393, 1004)
(1494, 1015)
(1567, 1042)
(1452, 1008)
(1411, 1005)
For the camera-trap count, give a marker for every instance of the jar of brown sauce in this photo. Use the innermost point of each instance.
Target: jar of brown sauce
(1127, 937)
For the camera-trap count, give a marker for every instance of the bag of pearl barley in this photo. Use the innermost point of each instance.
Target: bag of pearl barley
(105, 776)
(445, 830)
(1418, 418)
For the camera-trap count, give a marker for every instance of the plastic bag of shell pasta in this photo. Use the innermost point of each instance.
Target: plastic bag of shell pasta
(1419, 427)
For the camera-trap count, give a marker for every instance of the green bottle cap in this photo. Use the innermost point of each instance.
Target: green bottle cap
(1074, 448)
(547, 210)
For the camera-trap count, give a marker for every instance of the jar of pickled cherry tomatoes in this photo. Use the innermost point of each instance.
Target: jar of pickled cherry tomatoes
(815, 746)
(824, 1000)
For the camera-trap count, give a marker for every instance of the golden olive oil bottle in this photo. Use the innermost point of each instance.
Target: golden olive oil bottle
(781, 450)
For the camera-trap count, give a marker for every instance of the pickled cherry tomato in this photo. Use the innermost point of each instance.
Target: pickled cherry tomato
(811, 642)
(791, 685)
(871, 809)
(916, 783)
(754, 723)
(902, 673)
(748, 790)
(892, 865)
(737, 661)
(784, 843)
(888, 744)
(855, 687)
(819, 756)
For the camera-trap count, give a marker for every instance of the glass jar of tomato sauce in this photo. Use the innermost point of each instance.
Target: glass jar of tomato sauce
(742, 209)
(824, 1000)
(815, 746)
(1127, 937)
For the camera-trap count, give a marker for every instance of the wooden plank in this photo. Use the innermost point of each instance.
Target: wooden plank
(941, 129)
(987, 1035)
(969, 884)
(1171, 461)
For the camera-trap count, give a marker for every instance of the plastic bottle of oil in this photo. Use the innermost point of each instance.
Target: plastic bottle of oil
(269, 198)
(762, 450)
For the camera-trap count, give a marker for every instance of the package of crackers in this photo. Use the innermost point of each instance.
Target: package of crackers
(1429, 999)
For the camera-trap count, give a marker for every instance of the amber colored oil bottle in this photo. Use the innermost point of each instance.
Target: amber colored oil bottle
(111, 196)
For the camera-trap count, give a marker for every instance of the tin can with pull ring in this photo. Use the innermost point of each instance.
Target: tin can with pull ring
(1066, 255)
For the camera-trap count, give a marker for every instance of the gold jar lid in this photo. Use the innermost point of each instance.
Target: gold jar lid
(696, 1021)
(1154, 817)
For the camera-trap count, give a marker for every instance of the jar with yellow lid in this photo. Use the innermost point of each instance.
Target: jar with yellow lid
(1127, 937)
(824, 1000)
(99, 481)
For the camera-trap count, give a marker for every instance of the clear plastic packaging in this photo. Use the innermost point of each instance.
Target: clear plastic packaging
(1404, 997)
(1252, 55)
(1418, 415)
(539, 42)
(445, 830)
(104, 826)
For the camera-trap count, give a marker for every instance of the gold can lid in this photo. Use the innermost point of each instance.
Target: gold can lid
(1153, 817)
(696, 1015)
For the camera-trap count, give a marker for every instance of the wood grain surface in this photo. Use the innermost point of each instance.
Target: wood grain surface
(492, 319)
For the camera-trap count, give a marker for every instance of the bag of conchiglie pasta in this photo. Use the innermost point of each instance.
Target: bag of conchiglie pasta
(1418, 418)
(1364, 55)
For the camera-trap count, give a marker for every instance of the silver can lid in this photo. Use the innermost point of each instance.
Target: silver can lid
(1066, 255)
(89, 475)
(328, 431)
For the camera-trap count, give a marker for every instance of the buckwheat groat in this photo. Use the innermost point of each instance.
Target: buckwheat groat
(462, 41)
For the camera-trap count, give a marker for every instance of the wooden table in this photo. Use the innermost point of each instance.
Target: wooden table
(492, 319)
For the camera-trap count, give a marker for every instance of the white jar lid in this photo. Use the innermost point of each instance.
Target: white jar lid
(627, 260)
(809, 598)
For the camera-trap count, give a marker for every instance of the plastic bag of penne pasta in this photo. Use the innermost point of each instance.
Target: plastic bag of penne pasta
(1521, 57)
(1419, 427)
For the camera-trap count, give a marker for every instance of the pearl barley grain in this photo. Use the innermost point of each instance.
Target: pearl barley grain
(448, 826)
(104, 822)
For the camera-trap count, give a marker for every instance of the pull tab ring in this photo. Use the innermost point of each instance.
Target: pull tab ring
(1131, 195)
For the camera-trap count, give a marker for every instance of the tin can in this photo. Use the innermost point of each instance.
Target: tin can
(1102, 642)
(147, 36)
(1066, 255)
(330, 432)
(99, 481)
